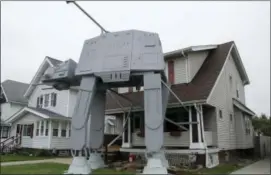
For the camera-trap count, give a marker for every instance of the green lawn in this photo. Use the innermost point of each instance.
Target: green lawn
(12, 158)
(38, 168)
(220, 169)
(48, 168)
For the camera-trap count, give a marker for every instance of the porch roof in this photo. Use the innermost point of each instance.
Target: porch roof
(242, 106)
(43, 113)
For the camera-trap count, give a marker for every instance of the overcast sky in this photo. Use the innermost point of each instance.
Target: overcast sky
(32, 30)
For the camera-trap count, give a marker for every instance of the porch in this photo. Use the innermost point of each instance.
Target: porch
(45, 134)
(193, 127)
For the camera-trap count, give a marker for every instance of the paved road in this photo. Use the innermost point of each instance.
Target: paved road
(56, 160)
(260, 167)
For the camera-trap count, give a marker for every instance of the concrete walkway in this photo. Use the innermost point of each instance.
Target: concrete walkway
(55, 160)
(260, 167)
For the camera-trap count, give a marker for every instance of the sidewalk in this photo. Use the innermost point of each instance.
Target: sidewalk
(260, 167)
(56, 160)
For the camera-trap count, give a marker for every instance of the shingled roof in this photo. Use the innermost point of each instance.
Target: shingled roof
(14, 91)
(198, 89)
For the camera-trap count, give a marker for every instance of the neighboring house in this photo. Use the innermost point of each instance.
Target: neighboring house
(46, 120)
(11, 101)
(212, 79)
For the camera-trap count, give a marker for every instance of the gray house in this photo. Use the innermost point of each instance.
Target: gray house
(11, 101)
(210, 81)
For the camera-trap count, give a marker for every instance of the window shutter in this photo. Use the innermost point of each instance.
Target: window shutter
(38, 102)
(171, 75)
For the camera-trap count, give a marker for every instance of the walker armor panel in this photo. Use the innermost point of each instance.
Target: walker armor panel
(113, 56)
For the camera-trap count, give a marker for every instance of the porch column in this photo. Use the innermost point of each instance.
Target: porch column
(1, 128)
(50, 134)
(202, 126)
(123, 125)
(39, 128)
(34, 129)
(129, 131)
(67, 129)
(190, 126)
(59, 128)
(199, 124)
(44, 127)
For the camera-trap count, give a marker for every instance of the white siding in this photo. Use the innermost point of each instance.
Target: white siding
(27, 142)
(180, 70)
(243, 140)
(8, 109)
(236, 80)
(209, 118)
(182, 141)
(61, 103)
(60, 143)
(221, 97)
(195, 60)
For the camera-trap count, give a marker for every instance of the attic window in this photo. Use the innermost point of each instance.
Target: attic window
(46, 100)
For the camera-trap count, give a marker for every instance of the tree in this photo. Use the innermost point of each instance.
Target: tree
(262, 124)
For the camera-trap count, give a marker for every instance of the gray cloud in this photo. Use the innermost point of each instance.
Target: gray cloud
(32, 30)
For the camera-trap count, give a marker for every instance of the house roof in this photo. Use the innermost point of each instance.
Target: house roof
(14, 91)
(198, 89)
(43, 113)
(237, 103)
(44, 65)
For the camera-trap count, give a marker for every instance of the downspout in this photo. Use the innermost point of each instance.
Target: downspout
(203, 134)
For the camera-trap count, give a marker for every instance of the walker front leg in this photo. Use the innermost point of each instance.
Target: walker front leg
(79, 127)
(96, 134)
(154, 124)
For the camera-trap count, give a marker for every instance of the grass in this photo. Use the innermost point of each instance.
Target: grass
(220, 169)
(12, 158)
(49, 168)
(38, 168)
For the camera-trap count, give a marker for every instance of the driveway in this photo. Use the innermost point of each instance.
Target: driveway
(260, 167)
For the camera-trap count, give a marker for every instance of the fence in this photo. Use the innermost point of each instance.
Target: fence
(262, 146)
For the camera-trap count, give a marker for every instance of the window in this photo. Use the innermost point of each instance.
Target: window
(47, 127)
(53, 99)
(63, 129)
(38, 102)
(55, 128)
(237, 93)
(230, 117)
(247, 125)
(4, 131)
(38, 130)
(46, 100)
(55, 132)
(41, 101)
(230, 82)
(27, 130)
(220, 114)
(41, 128)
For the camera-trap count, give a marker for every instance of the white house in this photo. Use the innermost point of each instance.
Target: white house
(11, 101)
(45, 120)
(210, 80)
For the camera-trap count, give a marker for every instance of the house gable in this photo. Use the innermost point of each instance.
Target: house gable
(197, 90)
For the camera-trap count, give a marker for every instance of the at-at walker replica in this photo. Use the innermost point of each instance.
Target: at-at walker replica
(129, 58)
